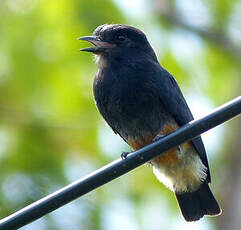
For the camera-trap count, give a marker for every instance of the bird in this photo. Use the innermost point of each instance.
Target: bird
(142, 102)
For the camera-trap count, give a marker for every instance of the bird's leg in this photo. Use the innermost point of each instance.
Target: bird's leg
(157, 137)
(180, 151)
(124, 155)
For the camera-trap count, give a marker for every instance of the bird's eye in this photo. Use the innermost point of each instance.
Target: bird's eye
(121, 38)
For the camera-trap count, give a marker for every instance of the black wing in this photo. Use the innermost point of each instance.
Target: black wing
(175, 103)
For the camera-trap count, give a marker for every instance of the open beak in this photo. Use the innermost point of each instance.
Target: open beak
(99, 45)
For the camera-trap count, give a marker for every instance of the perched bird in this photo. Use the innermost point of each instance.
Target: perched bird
(141, 102)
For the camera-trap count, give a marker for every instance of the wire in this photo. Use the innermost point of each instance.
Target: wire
(120, 166)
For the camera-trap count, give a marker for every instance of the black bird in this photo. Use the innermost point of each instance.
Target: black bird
(141, 102)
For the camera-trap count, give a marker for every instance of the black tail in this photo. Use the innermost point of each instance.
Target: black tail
(194, 205)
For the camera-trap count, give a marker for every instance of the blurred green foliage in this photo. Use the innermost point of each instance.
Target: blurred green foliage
(51, 132)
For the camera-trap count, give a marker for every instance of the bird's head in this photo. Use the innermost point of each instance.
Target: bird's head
(117, 40)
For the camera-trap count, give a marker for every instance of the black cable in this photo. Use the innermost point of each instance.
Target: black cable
(120, 167)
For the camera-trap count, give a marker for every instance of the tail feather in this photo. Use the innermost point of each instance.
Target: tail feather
(194, 205)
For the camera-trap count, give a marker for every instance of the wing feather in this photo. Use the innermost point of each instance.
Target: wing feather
(174, 102)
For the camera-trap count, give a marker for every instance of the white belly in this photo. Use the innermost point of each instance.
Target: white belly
(183, 175)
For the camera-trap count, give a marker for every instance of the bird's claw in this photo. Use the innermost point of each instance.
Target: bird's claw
(157, 137)
(124, 155)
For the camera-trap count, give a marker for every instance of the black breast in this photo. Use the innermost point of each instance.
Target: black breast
(129, 102)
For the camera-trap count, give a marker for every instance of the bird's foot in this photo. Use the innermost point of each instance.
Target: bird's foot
(157, 137)
(124, 155)
(180, 151)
